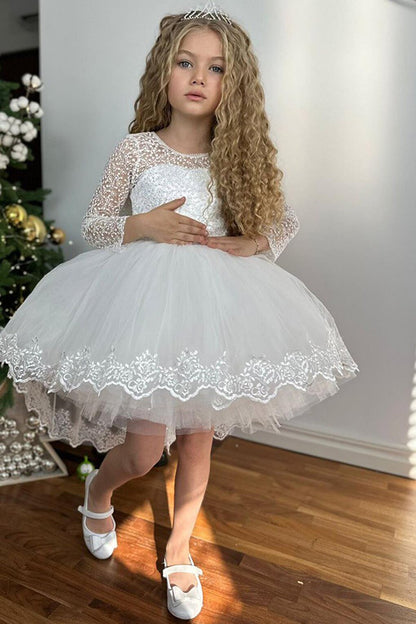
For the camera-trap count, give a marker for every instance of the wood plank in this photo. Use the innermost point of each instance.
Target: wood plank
(282, 538)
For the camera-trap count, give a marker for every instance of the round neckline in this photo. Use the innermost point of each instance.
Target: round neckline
(161, 141)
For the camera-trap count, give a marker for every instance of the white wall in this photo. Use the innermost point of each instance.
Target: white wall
(340, 92)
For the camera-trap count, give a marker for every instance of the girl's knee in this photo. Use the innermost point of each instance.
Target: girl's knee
(139, 466)
(194, 445)
(141, 452)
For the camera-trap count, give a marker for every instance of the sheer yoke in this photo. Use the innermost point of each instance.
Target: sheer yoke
(151, 173)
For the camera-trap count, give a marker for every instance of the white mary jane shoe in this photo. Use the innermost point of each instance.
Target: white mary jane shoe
(101, 545)
(183, 605)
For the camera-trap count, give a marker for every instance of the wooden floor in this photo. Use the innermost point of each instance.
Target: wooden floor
(281, 537)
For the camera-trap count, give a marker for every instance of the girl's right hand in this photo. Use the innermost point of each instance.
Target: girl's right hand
(164, 225)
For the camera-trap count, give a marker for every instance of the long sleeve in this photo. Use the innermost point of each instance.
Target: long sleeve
(102, 225)
(280, 235)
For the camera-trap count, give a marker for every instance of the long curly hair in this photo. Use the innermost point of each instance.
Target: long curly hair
(242, 156)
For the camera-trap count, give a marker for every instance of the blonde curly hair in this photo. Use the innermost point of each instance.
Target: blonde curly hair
(242, 157)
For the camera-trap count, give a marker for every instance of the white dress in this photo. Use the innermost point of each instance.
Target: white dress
(165, 339)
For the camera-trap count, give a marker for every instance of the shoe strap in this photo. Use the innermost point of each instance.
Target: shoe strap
(181, 567)
(95, 514)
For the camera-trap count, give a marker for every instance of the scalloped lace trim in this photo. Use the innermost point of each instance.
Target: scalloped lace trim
(259, 380)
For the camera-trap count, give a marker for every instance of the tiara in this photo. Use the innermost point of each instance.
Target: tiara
(208, 11)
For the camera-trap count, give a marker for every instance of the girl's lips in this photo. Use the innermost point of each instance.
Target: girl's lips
(195, 97)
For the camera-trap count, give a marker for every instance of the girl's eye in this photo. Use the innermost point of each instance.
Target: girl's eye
(217, 66)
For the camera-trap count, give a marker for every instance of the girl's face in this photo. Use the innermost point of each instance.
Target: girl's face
(199, 66)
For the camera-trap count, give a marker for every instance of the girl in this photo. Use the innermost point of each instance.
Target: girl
(180, 324)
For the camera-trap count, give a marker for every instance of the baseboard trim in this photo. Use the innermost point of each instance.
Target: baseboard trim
(394, 459)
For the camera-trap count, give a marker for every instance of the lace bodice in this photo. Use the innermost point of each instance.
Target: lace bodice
(145, 170)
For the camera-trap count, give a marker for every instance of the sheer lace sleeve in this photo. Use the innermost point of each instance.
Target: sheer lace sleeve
(280, 235)
(102, 225)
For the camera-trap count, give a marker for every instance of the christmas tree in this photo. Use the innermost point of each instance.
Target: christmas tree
(29, 244)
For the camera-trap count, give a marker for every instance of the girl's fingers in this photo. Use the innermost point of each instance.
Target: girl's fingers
(221, 242)
(220, 239)
(217, 242)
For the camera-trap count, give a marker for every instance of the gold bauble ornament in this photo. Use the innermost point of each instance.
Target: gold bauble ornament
(16, 214)
(57, 235)
(34, 227)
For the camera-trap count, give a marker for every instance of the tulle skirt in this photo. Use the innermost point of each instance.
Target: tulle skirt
(164, 339)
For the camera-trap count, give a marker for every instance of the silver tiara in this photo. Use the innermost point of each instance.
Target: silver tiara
(208, 11)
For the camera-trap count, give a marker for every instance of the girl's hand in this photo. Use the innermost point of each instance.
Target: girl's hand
(234, 245)
(164, 225)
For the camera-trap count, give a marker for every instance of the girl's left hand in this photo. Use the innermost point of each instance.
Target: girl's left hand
(234, 245)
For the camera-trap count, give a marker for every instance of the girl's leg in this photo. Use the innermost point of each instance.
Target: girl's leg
(191, 480)
(134, 458)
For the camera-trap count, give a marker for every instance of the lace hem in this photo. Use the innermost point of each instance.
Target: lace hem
(260, 379)
(214, 396)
